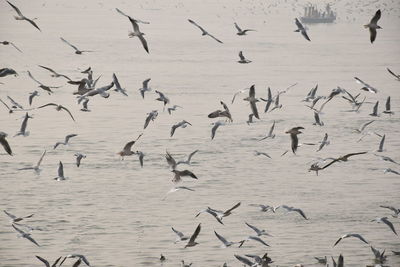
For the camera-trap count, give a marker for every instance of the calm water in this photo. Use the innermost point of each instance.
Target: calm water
(112, 211)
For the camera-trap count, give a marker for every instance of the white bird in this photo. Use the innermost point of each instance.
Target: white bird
(54, 73)
(173, 108)
(215, 127)
(242, 32)
(192, 241)
(145, 87)
(381, 143)
(255, 238)
(36, 168)
(373, 25)
(25, 235)
(180, 235)
(162, 98)
(102, 91)
(47, 88)
(366, 86)
(118, 87)
(60, 172)
(79, 256)
(151, 116)
(257, 153)
(270, 133)
(181, 124)
(385, 221)
(22, 17)
(77, 51)
(177, 188)
(351, 235)
(15, 219)
(66, 140)
(79, 157)
(58, 108)
(31, 96)
(253, 100)
(290, 209)
(127, 150)
(225, 243)
(189, 158)
(24, 124)
(203, 31)
(324, 142)
(301, 29)
(258, 231)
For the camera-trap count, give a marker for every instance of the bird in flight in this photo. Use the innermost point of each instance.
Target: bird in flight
(4, 143)
(203, 31)
(58, 108)
(10, 43)
(373, 26)
(242, 32)
(77, 51)
(22, 17)
(301, 29)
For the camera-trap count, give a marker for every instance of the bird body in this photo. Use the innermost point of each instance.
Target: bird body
(373, 25)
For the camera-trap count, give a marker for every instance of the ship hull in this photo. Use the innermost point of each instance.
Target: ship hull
(317, 20)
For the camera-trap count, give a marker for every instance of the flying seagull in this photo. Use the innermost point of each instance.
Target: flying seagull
(180, 235)
(79, 157)
(294, 139)
(178, 174)
(189, 158)
(191, 242)
(375, 110)
(41, 85)
(373, 25)
(366, 86)
(253, 100)
(387, 107)
(221, 113)
(136, 31)
(36, 168)
(60, 172)
(258, 231)
(343, 158)
(10, 43)
(25, 235)
(24, 124)
(324, 142)
(118, 87)
(127, 150)
(225, 243)
(58, 108)
(54, 73)
(77, 51)
(22, 17)
(385, 221)
(181, 124)
(145, 87)
(350, 235)
(4, 143)
(162, 98)
(173, 108)
(257, 153)
(395, 210)
(242, 32)
(151, 116)
(243, 60)
(204, 32)
(300, 28)
(15, 219)
(269, 100)
(47, 263)
(289, 209)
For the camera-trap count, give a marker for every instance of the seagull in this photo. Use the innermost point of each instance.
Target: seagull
(31, 96)
(397, 76)
(225, 243)
(22, 17)
(373, 25)
(173, 108)
(178, 174)
(180, 235)
(79, 256)
(293, 136)
(141, 156)
(388, 111)
(212, 212)
(77, 51)
(350, 235)
(379, 256)
(250, 120)
(58, 108)
(300, 28)
(220, 213)
(15, 219)
(47, 263)
(366, 86)
(79, 157)
(25, 235)
(7, 71)
(321, 260)
(385, 158)
(150, 117)
(126, 151)
(24, 124)
(181, 124)
(242, 32)
(239, 92)
(191, 242)
(102, 91)
(36, 168)
(85, 105)
(245, 261)
(257, 153)
(390, 170)
(162, 98)
(5, 144)
(258, 231)
(189, 158)
(311, 94)
(243, 60)
(221, 113)
(162, 258)
(177, 188)
(363, 126)
(276, 103)
(395, 210)
(145, 87)
(41, 85)
(269, 100)
(54, 73)
(253, 100)
(170, 160)
(215, 127)
(385, 221)
(264, 208)
(343, 158)
(118, 87)
(381, 143)
(60, 176)
(10, 43)
(317, 120)
(289, 209)
(204, 32)
(375, 110)
(340, 262)
(255, 238)
(66, 140)
(324, 142)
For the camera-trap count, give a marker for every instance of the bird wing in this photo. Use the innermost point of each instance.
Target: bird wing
(49, 69)
(173, 128)
(49, 104)
(141, 156)
(271, 130)
(134, 25)
(301, 213)
(5, 105)
(15, 47)
(391, 72)
(18, 230)
(388, 103)
(252, 91)
(295, 142)
(237, 27)
(372, 33)
(389, 223)
(299, 25)
(362, 82)
(30, 75)
(16, 9)
(191, 155)
(180, 234)
(376, 17)
(253, 227)
(353, 154)
(212, 36)
(234, 207)
(365, 125)
(116, 82)
(128, 146)
(244, 260)
(213, 130)
(188, 173)
(337, 242)
(77, 263)
(146, 83)
(10, 215)
(241, 55)
(254, 109)
(6, 146)
(64, 108)
(258, 240)
(32, 240)
(304, 33)
(144, 43)
(198, 26)
(222, 239)
(69, 137)
(122, 13)
(68, 43)
(382, 142)
(195, 234)
(389, 207)
(43, 260)
(60, 170)
(33, 23)
(359, 237)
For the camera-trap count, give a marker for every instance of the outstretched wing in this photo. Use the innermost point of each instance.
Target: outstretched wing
(30, 75)
(376, 17)
(122, 13)
(212, 36)
(6, 146)
(237, 27)
(68, 43)
(43, 260)
(198, 26)
(64, 108)
(16, 9)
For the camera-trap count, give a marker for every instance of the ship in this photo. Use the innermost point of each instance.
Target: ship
(313, 15)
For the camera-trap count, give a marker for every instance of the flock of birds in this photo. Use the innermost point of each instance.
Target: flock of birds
(88, 89)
